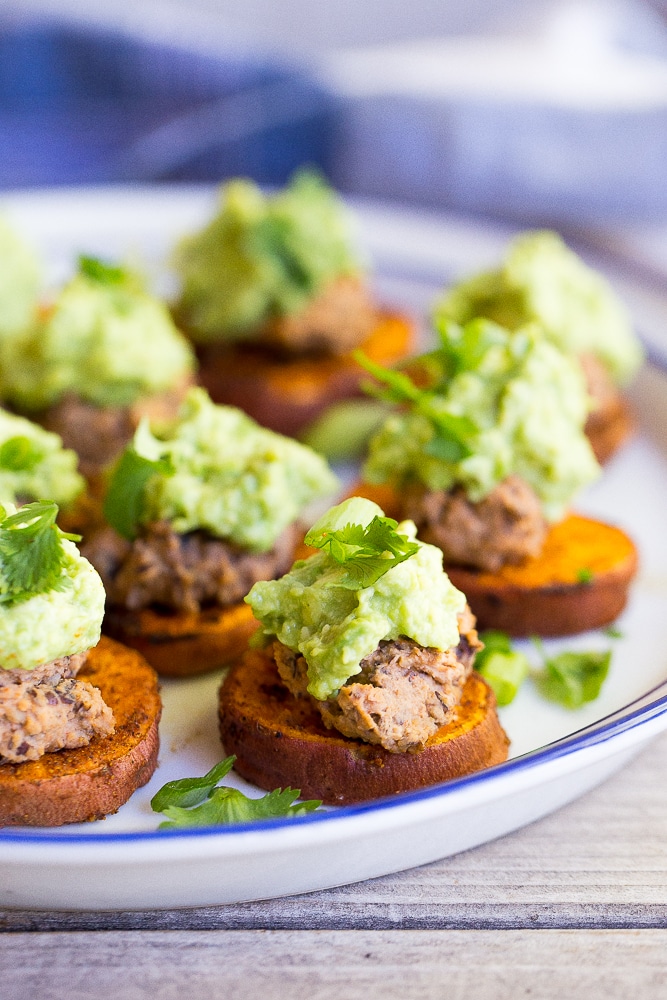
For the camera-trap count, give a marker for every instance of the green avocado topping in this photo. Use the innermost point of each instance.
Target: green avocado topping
(500, 403)
(262, 256)
(216, 469)
(542, 280)
(20, 277)
(51, 598)
(34, 464)
(334, 622)
(106, 340)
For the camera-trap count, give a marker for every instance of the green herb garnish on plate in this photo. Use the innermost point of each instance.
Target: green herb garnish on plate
(190, 802)
(572, 678)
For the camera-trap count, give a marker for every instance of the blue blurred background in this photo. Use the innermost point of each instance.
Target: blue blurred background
(551, 111)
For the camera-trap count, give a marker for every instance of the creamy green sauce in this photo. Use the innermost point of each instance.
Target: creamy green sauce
(59, 622)
(541, 279)
(262, 256)
(232, 477)
(34, 464)
(109, 343)
(20, 277)
(527, 404)
(334, 628)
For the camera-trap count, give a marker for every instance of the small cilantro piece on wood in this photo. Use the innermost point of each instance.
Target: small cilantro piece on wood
(140, 461)
(20, 454)
(192, 802)
(452, 440)
(366, 552)
(572, 678)
(503, 668)
(31, 551)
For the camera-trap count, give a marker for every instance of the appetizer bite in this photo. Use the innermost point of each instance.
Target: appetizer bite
(486, 462)
(274, 297)
(104, 355)
(542, 280)
(365, 685)
(78, 716)
(199, 509)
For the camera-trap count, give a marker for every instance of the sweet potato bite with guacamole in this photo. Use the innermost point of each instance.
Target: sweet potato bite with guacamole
(199, 509)
(360, 683)
(486, 461)
(541, 280)
(104, 354)
(78, 715)
(275, 298)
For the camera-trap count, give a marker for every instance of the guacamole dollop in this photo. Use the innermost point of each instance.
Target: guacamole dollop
(312, 609)
(59, 621)
(20, 276)
(262, 256)
(223, 473)
(518, 406)
(106, 340)
(34, 464)
(541, 279)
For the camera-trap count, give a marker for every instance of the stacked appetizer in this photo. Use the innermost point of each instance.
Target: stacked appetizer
(486, 462)
(275, 299)
(199, 509)
(102, 356)
(78, 716)
(364, 686)
(541, 280)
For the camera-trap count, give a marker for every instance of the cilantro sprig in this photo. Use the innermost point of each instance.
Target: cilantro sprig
(31, 551)
(101, 272)
(453, 435)
(141, 460)
(367, 552)
(190, 802)
(571, 678)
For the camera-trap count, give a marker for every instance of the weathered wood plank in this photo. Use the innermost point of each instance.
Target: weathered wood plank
(503, 965)
(599, 862)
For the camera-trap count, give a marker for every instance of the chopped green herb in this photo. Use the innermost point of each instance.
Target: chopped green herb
(572, 679)
(199, 802)
(103, 273)
(140, 461)
(366, 552)
(585, 575)
(453, 434)
(20, 454)
(501, 666)
(612, 632)
(31, 551)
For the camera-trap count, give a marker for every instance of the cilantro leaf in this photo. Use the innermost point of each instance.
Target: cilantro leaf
(31, 551)
(193, 802)
(613, 632)
(140, 461)
(453, 434)
(366, 552)
(20, 454)
(101, 272)
(584, 575)
(503, 668)
(572, 678)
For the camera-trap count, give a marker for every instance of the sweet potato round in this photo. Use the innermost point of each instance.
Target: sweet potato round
(177, 644)
(288, 393)
(73, 786)
(280, 740)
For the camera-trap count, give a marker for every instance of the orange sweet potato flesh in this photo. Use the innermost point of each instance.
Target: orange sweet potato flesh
(182, 645)
(74, 786)
(578, 582)
(286, 394)
(280, 740)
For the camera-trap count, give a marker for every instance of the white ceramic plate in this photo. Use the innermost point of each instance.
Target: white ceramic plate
(124, 863)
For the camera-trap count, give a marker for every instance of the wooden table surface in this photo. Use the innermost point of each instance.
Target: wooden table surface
(572, 906)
